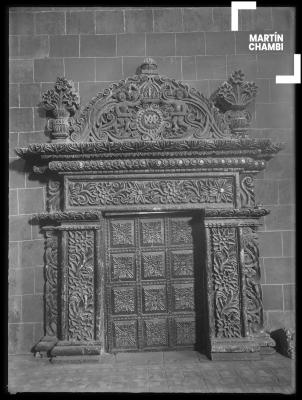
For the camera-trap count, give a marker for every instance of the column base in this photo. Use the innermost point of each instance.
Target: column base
(266, 343)
(44, 346)
(82, 350)
(234, 349)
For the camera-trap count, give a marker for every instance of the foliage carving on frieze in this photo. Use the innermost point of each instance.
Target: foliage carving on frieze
(51, 283)
(251, 272)
(148, 107)
(206, 190)
(81, 285)
(226, 283)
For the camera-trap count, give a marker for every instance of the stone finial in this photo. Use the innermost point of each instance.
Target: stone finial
(61, 103)
(148, 67)
(232, 97)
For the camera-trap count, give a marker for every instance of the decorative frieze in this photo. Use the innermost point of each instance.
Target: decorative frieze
(243, 163)
(185, 191)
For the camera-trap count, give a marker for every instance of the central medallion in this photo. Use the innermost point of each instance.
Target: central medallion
(150, 121)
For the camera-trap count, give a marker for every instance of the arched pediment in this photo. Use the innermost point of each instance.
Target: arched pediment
(148, 107)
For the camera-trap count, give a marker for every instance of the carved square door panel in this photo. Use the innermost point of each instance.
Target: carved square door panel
(151, 281)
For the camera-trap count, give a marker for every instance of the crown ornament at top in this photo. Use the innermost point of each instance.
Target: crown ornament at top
(60, 103)
(232, 97)
(148, 67)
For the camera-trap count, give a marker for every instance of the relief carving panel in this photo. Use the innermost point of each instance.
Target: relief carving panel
(226, 282)
(172, 191)
(251, 272)
(81, 285)
(51, 283)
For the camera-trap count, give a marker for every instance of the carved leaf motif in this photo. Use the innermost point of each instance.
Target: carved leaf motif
(247, 191)
(51, 271)
(81, 285)
(226, 282)
(251, 269)
(54, 196)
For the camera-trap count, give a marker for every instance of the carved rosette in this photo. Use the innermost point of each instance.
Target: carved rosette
(232, 98)
(61, 103)
(81, 285)
(251, 275)
(225, 281)
(51, 283)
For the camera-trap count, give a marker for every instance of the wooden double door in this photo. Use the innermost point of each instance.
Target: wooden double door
(153, 281)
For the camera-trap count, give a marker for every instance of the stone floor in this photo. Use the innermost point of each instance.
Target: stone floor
(183, 371)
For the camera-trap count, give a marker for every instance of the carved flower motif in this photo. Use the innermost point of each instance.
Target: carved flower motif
(237, 77)
(218, 190)
(139, 193)
(154, 300)
(223, 239)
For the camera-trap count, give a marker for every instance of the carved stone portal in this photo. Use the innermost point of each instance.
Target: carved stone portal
(150, 229)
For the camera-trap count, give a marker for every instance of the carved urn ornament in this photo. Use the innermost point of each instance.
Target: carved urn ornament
(151, 223)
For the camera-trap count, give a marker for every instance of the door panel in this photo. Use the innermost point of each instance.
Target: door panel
(150, 288)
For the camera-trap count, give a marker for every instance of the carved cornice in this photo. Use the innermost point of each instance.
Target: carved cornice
(225, 146)
(236, 213)
(62, 216)
(157, 164)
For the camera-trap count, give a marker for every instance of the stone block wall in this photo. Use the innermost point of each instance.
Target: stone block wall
(95, 46)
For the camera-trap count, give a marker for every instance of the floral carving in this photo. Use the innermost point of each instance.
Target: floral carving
(181, 232)
(182, 263)
(185, 332)
(81, 285)
(251, 271)
(153, 265)
(60, 103)
(233, 97)
(54, 195)
(247, 195)
(122, 233)
(152, 233)
(62, 100)
(184, 298)
(156, 333)
(148, 107)
(123, 267)
(51, 283)
(236, 93)
(206, 190)
(226, 283)
(123, 300)
(154, 299)
(125, 334)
